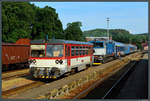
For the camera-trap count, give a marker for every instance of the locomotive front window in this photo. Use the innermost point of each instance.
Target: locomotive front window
(37, 51)
(54, 50)
(100, 45)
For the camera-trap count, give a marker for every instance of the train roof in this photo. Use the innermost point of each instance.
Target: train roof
(122, 44)
(119, 43)
(60, 41)
(13, 44)
(96, 41)
(130, 45)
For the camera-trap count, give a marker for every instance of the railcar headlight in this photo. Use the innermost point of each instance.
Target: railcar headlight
(30, 61)
(34, 61)
(60, 61)
(57, 61)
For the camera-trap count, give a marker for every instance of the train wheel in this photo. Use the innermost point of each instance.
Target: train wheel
(103, 61)
(4, 68)
(88, 65)
(57, 74)
(73, 70)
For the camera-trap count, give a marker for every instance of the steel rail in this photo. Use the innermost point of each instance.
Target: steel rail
(15, 73)
(7, 93)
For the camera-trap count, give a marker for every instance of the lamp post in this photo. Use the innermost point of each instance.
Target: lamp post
(108, 28)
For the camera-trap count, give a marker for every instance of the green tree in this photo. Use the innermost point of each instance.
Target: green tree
(25, 20)
(47, 23)
(74, 32)
(16, 20)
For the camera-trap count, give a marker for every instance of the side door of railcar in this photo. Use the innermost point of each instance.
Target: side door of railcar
(68, 55)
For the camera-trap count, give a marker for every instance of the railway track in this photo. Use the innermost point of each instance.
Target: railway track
(14, 93)
(10, 76)
(18, 85)
(15, 73)
(20, 89)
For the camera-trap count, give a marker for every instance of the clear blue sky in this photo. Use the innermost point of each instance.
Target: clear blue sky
(132, 16)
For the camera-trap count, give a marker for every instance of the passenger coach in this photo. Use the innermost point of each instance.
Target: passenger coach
(54, 58)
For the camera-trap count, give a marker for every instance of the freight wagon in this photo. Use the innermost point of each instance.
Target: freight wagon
(55, 57)
(15, 54)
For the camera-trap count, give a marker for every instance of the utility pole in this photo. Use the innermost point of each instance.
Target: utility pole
(108, 28)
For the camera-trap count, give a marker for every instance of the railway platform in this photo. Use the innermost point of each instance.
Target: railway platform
(136, 86)
(133, 86)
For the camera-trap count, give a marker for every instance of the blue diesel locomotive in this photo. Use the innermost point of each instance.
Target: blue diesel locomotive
(103, 50)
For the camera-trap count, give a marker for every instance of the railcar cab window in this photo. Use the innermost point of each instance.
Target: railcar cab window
(54, 50)
(37, 50)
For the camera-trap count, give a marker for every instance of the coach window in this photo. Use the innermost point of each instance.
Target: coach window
(83, 50)
(122, 48)
(72, 51)
(86, 50)
(77, 50)
(80, 50)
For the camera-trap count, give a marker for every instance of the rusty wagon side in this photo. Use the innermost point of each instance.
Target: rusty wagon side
(15, 53)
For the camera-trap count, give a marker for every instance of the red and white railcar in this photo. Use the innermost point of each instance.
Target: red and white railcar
(54, 58)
